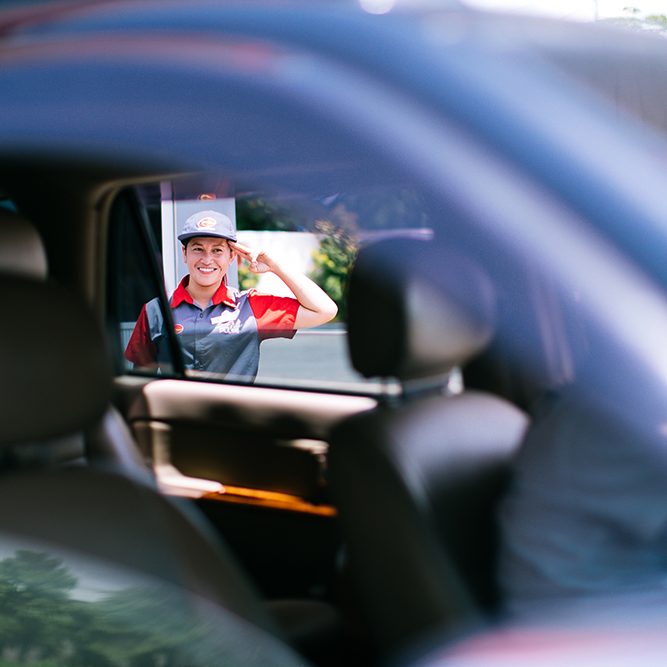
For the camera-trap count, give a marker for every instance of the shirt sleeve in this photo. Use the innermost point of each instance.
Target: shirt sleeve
(275, 315)
(141, 350)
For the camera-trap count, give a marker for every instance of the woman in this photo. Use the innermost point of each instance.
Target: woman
(221, 328)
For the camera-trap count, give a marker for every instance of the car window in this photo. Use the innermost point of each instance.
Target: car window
(316, 235)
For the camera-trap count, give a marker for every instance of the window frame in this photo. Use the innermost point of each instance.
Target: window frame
(147, 248)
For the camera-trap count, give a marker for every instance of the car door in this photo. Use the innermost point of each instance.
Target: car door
(252, 455)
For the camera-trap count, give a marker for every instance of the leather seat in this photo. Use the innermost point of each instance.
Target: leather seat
(417, 480)
(109, 443)
(21, 249)
(105, 526)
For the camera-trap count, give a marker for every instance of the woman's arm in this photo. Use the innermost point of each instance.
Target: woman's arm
(315, 305)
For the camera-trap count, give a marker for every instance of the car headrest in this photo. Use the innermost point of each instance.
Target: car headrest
(416, 310)
(56, 375)
(21, 249)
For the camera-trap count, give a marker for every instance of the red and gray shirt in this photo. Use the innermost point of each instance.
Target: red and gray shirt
(224, 337)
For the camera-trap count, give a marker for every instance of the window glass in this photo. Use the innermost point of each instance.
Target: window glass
(134, 259)
(308, 244)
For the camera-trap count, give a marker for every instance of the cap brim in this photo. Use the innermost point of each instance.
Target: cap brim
(192, 235)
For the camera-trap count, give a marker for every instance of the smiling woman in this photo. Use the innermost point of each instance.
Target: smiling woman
(220, 328)
(297, 246)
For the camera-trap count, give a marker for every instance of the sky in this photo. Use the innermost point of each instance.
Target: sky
(582, 10)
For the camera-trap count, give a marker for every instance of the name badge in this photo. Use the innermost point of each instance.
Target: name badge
(224, 326)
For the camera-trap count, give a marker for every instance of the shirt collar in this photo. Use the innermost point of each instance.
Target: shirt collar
(222, 295)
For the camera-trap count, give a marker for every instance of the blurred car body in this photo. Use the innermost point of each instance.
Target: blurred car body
(532, 148)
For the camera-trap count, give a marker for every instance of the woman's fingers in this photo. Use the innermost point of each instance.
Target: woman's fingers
(235, 245)
(245, 252)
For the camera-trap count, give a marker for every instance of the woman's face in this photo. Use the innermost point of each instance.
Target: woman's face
(207, 260)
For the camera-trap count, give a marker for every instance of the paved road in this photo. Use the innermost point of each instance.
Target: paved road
(319, 354)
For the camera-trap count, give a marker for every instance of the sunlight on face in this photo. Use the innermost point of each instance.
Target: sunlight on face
(207, 260)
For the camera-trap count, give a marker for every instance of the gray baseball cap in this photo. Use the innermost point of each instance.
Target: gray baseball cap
(208, 223)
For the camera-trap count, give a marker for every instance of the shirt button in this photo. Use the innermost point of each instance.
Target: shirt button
(201, 315)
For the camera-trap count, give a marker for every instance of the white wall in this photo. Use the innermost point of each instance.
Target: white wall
(295, 249)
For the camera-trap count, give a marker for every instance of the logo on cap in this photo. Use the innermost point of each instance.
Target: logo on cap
(206, 223)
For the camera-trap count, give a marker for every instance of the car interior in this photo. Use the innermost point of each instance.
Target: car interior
(430, 465)
(341, 508)
(279, 505)
(80, 454)
(279, 501)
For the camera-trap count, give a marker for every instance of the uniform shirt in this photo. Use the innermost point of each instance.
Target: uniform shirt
(224, 337)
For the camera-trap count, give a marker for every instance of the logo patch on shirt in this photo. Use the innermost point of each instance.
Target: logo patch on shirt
(226, 326)
(178, 328)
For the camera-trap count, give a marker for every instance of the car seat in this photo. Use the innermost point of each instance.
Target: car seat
(95, 507)
(109, 442)
(21, 249)
(417, 479)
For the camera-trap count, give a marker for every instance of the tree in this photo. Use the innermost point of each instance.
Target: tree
(261, 214)
(36, 613)
(334, 258)
(147, 626)
(247, 279)
(337, 219)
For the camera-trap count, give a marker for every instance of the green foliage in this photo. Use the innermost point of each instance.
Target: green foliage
(333, 259)
(338, 221)
(378, 208)
(35, 572)
(43, 625)
(33, 587)
(260, 214)
(143, 626)
(632, 18)
(247, 279)
(658, 20)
